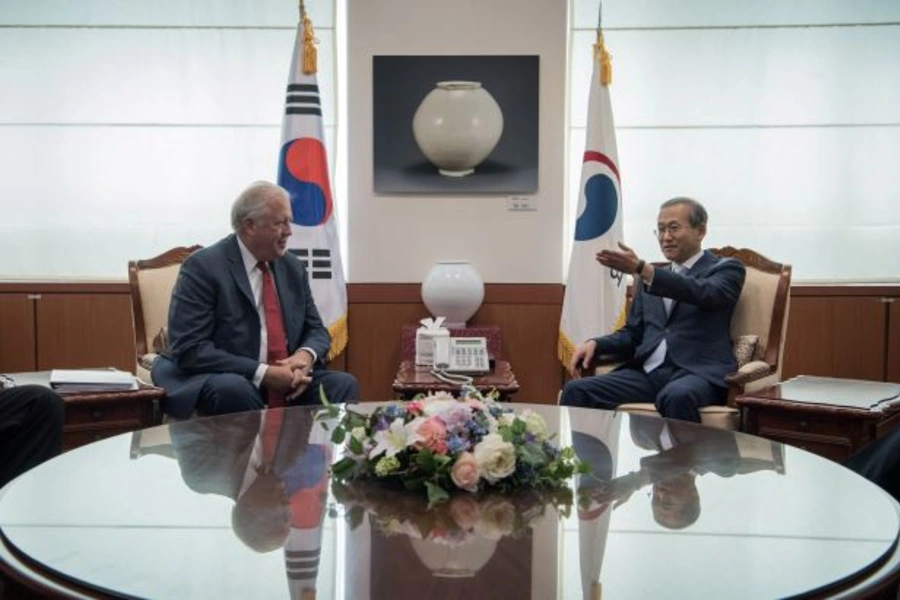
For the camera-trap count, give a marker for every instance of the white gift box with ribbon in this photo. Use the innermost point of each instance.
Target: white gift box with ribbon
(425, 336)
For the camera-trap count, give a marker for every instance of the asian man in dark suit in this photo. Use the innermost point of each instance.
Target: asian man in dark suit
(244, 331)
(676, 341)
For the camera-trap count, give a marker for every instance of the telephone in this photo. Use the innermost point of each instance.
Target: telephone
(461, 355)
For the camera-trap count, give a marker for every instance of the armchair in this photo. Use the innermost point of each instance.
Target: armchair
(151, 282)
(758, 329)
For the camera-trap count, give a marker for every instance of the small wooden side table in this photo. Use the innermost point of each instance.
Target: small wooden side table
(92, 416)
(412, 380)
(826, 416)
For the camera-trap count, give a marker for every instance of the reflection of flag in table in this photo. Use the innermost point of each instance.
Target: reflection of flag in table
(595, 439)
(594, 303)
(303, 171)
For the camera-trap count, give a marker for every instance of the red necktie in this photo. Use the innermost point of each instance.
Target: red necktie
(270, 435)
(277, 346)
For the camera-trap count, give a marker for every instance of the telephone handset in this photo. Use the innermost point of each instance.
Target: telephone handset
(456, 357)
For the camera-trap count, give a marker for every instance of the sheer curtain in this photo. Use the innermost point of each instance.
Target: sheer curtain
(783, 118)
(127, 128)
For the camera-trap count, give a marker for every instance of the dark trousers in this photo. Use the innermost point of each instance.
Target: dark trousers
(31, 425)
(227, 393)
(879, 462)
(676, 393)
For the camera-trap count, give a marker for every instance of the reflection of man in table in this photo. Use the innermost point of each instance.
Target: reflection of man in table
(685, 451)
(274, 464)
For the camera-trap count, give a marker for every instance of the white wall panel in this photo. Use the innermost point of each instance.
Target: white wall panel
(824, 199)
(82, 201)
(183, 13)
(706, 13)
(746, 77)
(206, 76)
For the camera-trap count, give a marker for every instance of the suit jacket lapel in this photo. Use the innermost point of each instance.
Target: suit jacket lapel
(701, 266)
(238, 273)
(285, 296)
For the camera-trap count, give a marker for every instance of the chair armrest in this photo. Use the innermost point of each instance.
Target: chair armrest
(752, 371)
(146, 360)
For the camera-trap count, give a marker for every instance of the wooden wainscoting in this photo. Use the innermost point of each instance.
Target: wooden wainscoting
(848, 331)
(65, 325)
(527, 314)
(844, 331)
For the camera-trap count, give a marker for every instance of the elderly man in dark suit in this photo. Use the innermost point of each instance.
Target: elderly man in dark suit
(243, 327)
(676, 342)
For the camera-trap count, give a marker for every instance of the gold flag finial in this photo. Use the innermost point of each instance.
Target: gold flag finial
(605, 59)
(310, 59)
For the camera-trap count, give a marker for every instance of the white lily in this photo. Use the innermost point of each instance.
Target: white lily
(394, 439)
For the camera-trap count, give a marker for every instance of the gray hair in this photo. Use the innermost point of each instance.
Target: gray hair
(251, 204)
(697, 215)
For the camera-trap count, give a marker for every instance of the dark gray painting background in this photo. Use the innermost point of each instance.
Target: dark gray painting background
(401, 82)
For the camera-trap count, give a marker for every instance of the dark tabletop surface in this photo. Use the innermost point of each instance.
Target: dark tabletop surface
(675, 510)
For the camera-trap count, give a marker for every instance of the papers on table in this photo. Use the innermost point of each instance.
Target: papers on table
(79, 381)
(867, 395)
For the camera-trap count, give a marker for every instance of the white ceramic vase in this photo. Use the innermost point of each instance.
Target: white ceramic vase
(457, 125)
(453, 289)
(454, 561)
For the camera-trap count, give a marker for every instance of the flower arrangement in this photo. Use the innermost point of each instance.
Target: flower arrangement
(441, 444)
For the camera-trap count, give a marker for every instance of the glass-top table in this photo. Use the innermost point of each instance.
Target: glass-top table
(672, 510)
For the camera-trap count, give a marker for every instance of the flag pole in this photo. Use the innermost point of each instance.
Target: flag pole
(601, 53)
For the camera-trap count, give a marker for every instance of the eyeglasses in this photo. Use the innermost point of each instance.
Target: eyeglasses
(672, 228)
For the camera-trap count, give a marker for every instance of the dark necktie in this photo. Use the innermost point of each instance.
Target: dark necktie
(277, 345)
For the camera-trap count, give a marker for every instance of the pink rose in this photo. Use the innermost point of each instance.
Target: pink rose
(465, 472)
(432, 433)
(464, 510)
(414, 407)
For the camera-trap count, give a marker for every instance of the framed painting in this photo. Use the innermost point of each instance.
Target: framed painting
(456, 124)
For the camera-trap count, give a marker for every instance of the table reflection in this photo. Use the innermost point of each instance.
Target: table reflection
(274, 465)
(242, 506)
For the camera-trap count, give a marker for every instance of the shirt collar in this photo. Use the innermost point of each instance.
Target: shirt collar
(247, 256)
(689, 263)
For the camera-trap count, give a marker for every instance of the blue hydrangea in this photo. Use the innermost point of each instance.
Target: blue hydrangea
(456, 444)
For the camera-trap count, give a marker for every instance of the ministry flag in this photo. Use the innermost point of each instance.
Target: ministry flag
(594, 302)
(303, 172)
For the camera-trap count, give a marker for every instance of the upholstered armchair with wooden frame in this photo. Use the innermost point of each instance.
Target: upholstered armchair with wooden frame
(758, 329)
(151, 282)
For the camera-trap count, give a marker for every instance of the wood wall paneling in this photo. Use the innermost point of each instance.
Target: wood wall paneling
(528, 317)
(85, 330)
(835, 331)
(893, 335)
(841, 336)
(529, 335)
(17, 343)
(373, 352)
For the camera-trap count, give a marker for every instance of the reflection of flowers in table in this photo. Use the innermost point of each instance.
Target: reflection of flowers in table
(454, 538)
(441, 444)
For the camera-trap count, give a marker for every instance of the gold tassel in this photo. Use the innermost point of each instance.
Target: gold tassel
(339, 337)
(565, 349)
(309, 47)
(605, 60)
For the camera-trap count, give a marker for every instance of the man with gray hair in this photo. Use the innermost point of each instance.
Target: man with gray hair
(243, 330)
(676, 342)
